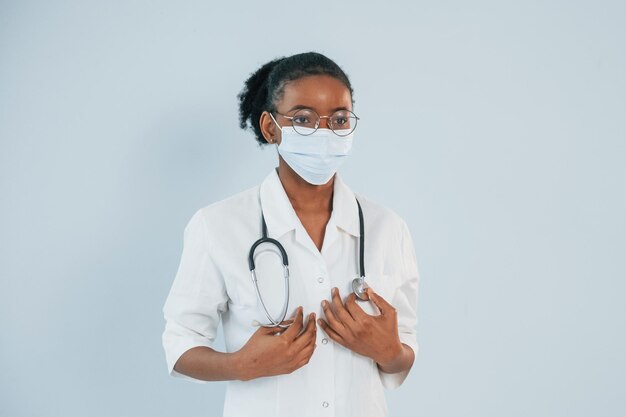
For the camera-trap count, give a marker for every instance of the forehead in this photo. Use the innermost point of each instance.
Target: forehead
(321, 93)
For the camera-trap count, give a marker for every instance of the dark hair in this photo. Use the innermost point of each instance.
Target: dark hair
(265, 87)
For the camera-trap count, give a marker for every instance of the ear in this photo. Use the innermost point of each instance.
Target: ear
(270, 131)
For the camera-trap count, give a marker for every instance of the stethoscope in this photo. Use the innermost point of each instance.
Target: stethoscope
(359, 285)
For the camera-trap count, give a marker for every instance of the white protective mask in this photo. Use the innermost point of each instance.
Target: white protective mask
(314, 157)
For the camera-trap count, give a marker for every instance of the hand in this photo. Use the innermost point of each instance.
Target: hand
(372, 336)
(267, 354)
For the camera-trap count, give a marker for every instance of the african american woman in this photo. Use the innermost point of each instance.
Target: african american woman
(315, 285)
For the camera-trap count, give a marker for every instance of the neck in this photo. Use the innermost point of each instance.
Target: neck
(304, 197)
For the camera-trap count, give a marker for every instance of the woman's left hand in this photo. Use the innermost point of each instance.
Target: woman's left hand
(373, 336)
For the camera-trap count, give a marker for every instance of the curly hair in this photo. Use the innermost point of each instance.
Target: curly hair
(265, 87)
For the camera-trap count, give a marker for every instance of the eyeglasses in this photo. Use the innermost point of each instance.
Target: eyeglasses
(341, 122)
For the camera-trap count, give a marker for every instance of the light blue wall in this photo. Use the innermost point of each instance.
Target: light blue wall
(496, 129)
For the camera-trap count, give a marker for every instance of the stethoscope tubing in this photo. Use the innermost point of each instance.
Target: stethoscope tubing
(358, 284)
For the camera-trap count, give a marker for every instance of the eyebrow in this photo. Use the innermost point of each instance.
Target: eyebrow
(302, 106)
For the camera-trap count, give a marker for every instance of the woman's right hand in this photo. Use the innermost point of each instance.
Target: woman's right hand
(267, 354)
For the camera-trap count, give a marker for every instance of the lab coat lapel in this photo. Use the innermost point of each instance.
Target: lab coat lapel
(279, 214)
(344, 216)
(345, 209)
(281, 217)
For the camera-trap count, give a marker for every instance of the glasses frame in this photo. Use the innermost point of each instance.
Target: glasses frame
(319, 120)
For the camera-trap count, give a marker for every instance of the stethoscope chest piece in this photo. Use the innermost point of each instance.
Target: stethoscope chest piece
(359, 286)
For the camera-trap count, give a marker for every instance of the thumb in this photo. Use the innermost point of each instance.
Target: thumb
(265, 329)
(374, 298)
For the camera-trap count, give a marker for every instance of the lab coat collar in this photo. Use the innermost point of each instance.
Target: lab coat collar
(281, 217)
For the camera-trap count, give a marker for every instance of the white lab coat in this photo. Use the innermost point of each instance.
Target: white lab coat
(213, 282)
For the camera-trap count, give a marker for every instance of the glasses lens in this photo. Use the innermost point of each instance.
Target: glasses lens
(305, 121)
(343, 122)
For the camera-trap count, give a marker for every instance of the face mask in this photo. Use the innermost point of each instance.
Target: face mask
(314, 157)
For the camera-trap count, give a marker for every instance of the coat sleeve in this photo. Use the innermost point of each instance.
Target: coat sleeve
(196, 300)
(405, 302)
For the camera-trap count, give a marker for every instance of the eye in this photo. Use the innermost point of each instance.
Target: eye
(300, 120)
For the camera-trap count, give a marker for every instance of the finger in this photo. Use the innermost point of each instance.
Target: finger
(355, 311)
(286, 322)
(330, 332)
(308, 335)
(269, 330)
(293, 330)
(340, 309)
(379, 301)
(308, 348)
(305, 356)
(333, 321)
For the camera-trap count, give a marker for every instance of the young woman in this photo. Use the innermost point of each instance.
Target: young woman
(346, 263)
